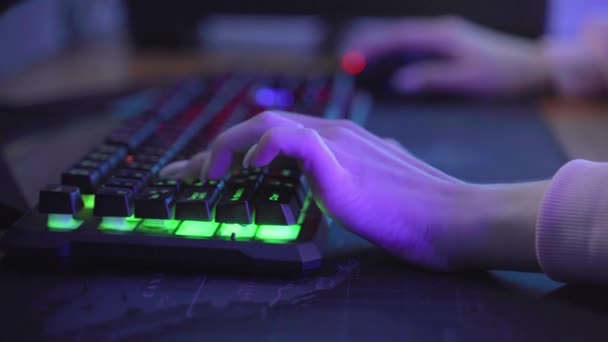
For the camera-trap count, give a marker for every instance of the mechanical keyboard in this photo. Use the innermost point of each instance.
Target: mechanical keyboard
(110, 206)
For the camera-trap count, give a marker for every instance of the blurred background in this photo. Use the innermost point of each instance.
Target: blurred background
(38, 30)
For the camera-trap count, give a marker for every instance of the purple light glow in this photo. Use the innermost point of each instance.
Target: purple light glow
(274, 98)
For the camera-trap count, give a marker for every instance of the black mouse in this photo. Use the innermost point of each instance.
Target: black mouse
(376, 77)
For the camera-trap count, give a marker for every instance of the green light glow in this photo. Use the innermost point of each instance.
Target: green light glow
(278, 233)
(240, 231)
(158, 226)
(123, 224)
(274, 197)
(62, 222)
(237, 194)
(89, 201)
(197, 196)
(197, 229)
(305, 206)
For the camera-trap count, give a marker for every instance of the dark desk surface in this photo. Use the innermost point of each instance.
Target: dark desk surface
(361, 293)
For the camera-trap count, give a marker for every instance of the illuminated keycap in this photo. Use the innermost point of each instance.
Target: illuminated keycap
(60, 199)
(195, 205)
(124, 224)
(277, 206)
(241, 232)
(63, 222)
(237, 194)
(276, 233)
(86, 180)
(197, 229)
(155, 203)
(235, 206)
(113, 202)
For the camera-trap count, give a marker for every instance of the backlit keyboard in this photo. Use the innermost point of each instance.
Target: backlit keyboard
(110, 206)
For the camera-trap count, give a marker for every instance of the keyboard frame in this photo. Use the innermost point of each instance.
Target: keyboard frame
(30, 241)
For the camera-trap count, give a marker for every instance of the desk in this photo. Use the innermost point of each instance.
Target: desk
(361, 293)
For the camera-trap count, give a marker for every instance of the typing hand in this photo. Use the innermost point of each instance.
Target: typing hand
(370, 185)
(478, 61)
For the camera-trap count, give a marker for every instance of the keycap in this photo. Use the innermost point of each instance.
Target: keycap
(155, 203)
(114, 202)
(149, 167)
(285, 173)
(60, 199)
(211, 183)
(102, 167)
(251, 181)
(196, 205)
(248, 171)
(166, 183)
(299, 185)
(143, 176)
(235, 205)
(128, 183)
(283, 163)
(111, 159)
(277, 206)
(85, 179)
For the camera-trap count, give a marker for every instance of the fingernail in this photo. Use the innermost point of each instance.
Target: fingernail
(249, 155)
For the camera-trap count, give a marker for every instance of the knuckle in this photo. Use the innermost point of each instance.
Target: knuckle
(309, 135)
(340, 132)
(267, 118)
(219, 140)
(347, 124)
(272, 136)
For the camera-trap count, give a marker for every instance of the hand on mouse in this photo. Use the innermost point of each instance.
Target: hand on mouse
(477, 60)
(373, 187)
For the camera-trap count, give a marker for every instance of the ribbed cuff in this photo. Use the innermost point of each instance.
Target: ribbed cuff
(572, 226)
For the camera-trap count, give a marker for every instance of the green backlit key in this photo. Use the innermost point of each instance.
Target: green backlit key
(143, 176)
(127, 183)
(277, 206)
(166, 183)
(155, 203)
(235, 205)
(113, 202)
(60, 199)
(196, 204)
(198, 184)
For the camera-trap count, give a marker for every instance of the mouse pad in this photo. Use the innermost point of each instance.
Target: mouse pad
(360, 293)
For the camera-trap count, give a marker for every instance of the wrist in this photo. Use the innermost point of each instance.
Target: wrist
(494, 226)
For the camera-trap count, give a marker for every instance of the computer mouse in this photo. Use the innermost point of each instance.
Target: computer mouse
(377, 74)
